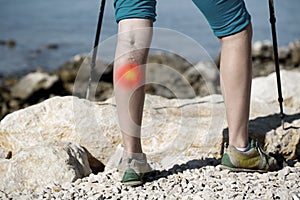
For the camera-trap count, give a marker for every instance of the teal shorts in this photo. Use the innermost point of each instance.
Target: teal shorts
(225, 17)
(126, 9)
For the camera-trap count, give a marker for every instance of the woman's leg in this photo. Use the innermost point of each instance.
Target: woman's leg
(135, 20)
(134, 39)
(231, 22)
(235, 68)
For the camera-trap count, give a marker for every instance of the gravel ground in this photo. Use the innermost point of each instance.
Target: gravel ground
(194, 180)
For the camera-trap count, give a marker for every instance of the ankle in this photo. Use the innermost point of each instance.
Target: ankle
(134, 155)
(133, 151)
(242, 144)
(244, 149)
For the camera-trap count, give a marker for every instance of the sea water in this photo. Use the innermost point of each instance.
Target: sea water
(71, 25)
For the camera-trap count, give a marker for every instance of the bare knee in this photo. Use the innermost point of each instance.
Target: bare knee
(136, 33)
(134, 39)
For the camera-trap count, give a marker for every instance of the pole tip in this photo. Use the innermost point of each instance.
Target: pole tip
(282, 124)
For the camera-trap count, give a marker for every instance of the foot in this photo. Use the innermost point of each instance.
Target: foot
(132, 170)
(253, 160)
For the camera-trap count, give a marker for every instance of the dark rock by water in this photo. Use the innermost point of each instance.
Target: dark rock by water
(10, 43)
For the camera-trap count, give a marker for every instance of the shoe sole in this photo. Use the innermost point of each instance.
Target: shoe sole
(224, 167)
(132, 183)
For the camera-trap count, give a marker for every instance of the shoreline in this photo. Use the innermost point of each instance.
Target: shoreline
(262, 53)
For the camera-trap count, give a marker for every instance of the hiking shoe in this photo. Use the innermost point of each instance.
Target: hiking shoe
(132, 170)
(253, 160)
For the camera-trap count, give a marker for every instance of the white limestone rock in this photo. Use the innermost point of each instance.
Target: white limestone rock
(32, 83)
(40, 165)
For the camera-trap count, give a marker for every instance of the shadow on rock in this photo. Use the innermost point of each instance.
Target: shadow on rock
(272, 122)
(260, 126)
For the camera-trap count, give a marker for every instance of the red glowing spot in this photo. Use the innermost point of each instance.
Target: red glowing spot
(129, 75)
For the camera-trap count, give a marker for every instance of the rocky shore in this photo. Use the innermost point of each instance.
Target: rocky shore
(72, 154)
(57, 145)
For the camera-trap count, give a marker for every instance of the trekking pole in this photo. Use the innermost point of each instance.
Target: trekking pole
(275, 49)
(95, 49)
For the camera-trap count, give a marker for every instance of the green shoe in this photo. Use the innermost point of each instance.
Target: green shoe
(253, 160)
(132, 170)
